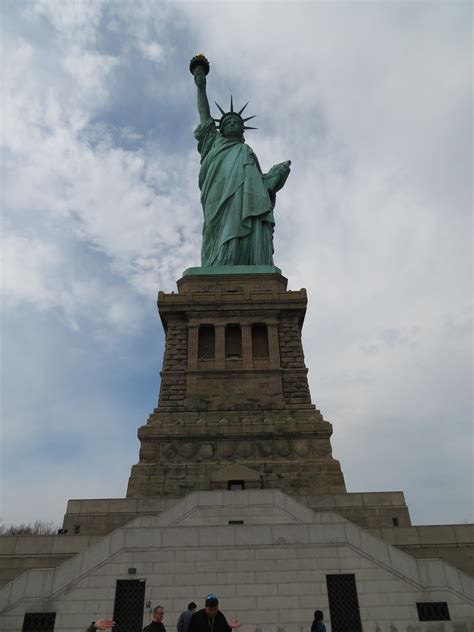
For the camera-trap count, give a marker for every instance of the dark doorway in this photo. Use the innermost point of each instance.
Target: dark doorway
(343, 603)
(39, 622)
(128, 607)
(235, 485)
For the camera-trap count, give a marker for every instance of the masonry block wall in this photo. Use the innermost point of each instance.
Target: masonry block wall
(294, 376)
(234, 389)
(271, 561)
(173, 381)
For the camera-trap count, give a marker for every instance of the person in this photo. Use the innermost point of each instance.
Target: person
(156, 624)
(318, 625)
(237, 198)
(185, 617)
(101, 624)
(211, 619)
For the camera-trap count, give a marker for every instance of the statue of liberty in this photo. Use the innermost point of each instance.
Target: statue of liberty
(237, 198)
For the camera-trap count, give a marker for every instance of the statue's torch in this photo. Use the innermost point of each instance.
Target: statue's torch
(199, 60)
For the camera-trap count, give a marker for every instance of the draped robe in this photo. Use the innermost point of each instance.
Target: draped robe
(238, 210)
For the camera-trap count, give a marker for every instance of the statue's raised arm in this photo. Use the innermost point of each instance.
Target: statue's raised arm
(199, 66)
(237, 198)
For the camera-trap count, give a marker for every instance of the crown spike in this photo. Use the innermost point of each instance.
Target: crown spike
(243, 108)
(248, 118)
(222, 111)
(248, 127)
(231, 105)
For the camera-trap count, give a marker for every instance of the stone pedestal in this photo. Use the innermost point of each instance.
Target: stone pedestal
(234, 408)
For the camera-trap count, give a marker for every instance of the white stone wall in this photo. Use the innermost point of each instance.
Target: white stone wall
(270, 574)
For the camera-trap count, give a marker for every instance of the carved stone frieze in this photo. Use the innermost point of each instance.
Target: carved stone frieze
(191, 447)
(206, 451)
(245, 449)
(168, 451)
(227, 449)
(265, 448)
(301, 447)
(282, 447)
(187, 450)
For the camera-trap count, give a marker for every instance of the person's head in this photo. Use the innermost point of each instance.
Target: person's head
(158, 612)
(211, 606)
(318, 615)
(192, 606)
(232, 127)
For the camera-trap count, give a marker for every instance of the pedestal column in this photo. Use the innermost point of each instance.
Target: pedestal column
(220, 346)
(246, 329)
(193, 335)
(273, 344)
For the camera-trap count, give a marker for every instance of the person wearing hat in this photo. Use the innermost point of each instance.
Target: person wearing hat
(211, 619)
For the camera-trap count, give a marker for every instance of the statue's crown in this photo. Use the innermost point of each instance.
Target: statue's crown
(225, 115)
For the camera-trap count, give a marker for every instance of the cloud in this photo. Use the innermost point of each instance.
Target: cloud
(64, 168)
(22, 260)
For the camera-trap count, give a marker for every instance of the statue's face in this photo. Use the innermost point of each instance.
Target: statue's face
(232, 128)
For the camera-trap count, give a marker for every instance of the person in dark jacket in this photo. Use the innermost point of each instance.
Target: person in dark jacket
(211, 619)
(100, 624)
(156, 624)
(185, 617)
(318, 625)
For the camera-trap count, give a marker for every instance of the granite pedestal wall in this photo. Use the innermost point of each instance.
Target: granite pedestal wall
(234, 390)
(451, 543)
(370, 510)
(271, 570)
(19, 553)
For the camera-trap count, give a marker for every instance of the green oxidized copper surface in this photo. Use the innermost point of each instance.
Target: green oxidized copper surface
(237, 197)
(218, 270)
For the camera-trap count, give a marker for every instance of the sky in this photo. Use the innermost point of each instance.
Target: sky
(372, 103)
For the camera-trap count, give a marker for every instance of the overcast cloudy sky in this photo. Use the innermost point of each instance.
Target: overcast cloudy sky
(372, 103)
